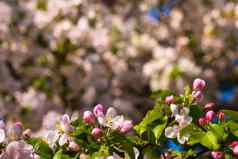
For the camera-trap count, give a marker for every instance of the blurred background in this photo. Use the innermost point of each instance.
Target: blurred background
(60, 56)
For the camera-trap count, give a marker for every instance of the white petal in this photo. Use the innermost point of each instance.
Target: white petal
(185, 120)
(171, 132)
(136, 152)
(2, 135)
(111, 112)
(117, 122)
(182, 139)
(184, 111)
(63, 139)
(65, 118)
(102, 120)
(52, 136)
(174, 109)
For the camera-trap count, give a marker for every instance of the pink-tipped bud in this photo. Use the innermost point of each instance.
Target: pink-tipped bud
(169, 99)
(198, 96)
(217, 154)
(234, 147)
(88, 117)
(199, 84)
(126, 126)
(210, 115)
(73, 146)
(97, 133)
(221, 116)
(202, 121)
(209, 106)
(99, 110)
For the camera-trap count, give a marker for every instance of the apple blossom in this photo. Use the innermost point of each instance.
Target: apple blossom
(217, 154)
(99, 110)
(169, 99)
(202, 121)
(73, 146)
(221, 116)
(198, 96)
(65, 124)
(234, 147)
(96, 132)
(126, 126)
(209, 106)
(199, 84)
(88, 117)
(111, 119)
(210, 115)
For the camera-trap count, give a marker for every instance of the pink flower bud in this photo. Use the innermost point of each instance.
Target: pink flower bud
(73, 146)
(221, 116)
(88, 117)
(198, 96)
(209, 106)
(202, 121)
(234, 147)
(199, 84)
(99, 110)
(97, 133)
(217, 154)
(169, 99)
(126, 126)
(210, 115)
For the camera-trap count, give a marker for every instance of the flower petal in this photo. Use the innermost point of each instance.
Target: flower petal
(111, 112)
(184, 111)
(117, 122)
(171, 132)
(63, 139)
(174, 109)
(182, 139)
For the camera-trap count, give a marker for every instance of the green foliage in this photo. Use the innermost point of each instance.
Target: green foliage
(154, 121)
(210, 140)
(196, 112)
(41, 148)
(232, 115)
(195, 132)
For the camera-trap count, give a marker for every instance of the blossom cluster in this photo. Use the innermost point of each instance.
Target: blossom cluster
(177, 127)
(62, 55)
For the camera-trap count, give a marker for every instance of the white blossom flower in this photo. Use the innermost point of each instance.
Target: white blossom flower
(172, 132)
(62, 134)
(182, 117)
(111, 119)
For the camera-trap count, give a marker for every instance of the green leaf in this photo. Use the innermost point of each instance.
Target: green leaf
(195, 133)
(156, 114)
(59, 155)
(196, 112)
(210, 141)
(219, 131)
(233, 115)
(233, 127)
(158, 130)
(41, 147)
